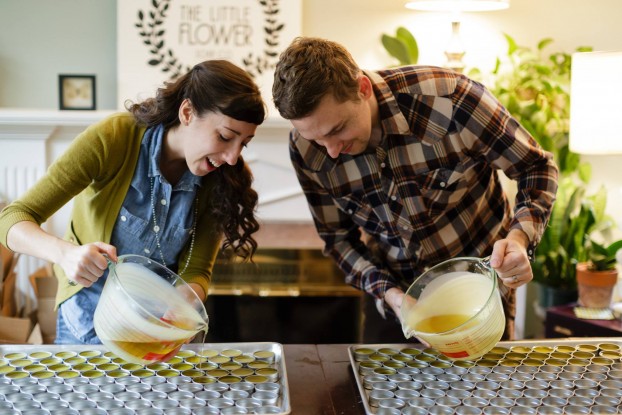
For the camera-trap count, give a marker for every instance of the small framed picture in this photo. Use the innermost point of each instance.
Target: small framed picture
(76, 92)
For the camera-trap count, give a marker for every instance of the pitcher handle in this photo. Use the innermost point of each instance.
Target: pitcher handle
(502, 288)
(110, 262)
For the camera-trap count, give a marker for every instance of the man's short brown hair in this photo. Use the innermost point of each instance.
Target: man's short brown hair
(309, 69)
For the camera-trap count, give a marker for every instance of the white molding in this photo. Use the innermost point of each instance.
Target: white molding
(29, 117)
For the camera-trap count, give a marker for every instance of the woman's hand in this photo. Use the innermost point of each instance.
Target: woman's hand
(85, 264)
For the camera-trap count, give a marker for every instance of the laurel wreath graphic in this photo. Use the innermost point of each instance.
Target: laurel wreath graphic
(272, 29)
(151, 30)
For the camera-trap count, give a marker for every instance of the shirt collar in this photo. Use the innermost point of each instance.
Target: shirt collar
(154, 137)
(392, 120)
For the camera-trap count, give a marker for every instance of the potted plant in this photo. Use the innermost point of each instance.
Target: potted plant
(535, 87)
(597, 277)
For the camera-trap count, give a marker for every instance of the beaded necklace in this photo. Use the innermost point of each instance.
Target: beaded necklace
(156, 227)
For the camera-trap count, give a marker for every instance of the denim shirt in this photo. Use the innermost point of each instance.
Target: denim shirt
(133, 233)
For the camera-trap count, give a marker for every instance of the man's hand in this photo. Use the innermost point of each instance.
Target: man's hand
(394, 297)
(509, 258)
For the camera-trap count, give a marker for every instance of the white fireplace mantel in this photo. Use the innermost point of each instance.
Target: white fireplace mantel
(30, 140)
(34, 138)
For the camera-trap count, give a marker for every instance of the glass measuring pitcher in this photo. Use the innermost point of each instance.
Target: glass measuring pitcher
(456, 308)
(147, 312)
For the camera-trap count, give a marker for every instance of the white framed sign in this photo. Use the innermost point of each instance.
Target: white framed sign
(158, 40)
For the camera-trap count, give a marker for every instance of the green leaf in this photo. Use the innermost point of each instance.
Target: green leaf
(396, 48)
(512, 48)
(585, 172)
(410, 42)
(614, 247)
(544, 43)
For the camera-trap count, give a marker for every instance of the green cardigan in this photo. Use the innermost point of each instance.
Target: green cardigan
(96, 170)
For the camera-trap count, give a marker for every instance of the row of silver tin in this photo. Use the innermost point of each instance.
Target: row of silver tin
(393, 386)
(149, 393)
(153, 395)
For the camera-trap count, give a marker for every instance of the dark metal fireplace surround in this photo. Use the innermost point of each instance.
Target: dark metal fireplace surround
(286, 296)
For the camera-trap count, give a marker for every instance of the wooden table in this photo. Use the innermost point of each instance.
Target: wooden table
(321, 380)
(561, 321)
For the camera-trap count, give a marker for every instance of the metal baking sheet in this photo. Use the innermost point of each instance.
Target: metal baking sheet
(55, 379)
(553, 376)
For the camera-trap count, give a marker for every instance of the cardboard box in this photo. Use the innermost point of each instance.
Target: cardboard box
(45, 285)
(40, 326)
(16, 330)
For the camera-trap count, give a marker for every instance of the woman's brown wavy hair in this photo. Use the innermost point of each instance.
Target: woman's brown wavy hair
(216, 86)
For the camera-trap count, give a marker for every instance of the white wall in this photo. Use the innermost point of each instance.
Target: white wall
(358, 24)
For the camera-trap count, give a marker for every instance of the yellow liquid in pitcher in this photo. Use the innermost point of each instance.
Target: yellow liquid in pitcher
(441, 323)
(152, 351)
(148, 352)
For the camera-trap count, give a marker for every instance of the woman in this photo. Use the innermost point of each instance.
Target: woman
(164, 180)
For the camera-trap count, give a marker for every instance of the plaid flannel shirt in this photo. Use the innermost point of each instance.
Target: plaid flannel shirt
(430, 190)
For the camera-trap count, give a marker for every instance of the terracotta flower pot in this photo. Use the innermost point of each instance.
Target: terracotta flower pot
(595, 287)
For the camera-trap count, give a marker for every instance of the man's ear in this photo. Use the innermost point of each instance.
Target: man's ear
(365, 87)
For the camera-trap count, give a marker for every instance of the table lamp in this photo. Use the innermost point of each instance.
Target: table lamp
(595, 91)
(455, 49)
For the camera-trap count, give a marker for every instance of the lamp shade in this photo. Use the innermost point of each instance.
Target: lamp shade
(457, 5)
(595, 91)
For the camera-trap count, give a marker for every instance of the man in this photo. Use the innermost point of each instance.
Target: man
(410, 156)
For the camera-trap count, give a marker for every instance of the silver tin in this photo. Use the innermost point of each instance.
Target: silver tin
(388, 411)
(266, 398)
(110, 404)
(510, 393)
(431, 393)
(193, 403)
(448, 401)
(138, 404)
(206, 411)
(421, 402)
(601, 409)
(384, 385)
(235, 395)
(483, 393)
(248, 403)
(138, 388)
(535, 393)
(165, 403)
(234, 410)
(190, 387)
(475, 402)
(267, 410)
(409, 385)
(460, 394)
(180, 395)
(164, 387)
(375, 396)
(369, 380)
(220, 403)
(406, 394)
(572, 409)
(469, 410)
(502, 402)
(80, 405)
(495, 410)
(265, 387)
(208, 395)
(153, 396)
